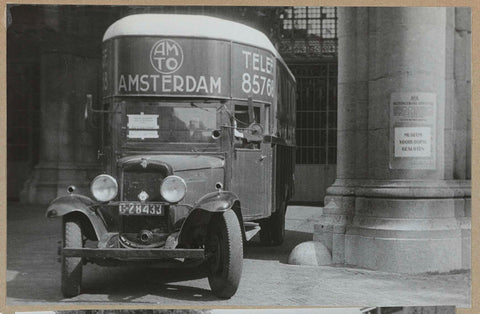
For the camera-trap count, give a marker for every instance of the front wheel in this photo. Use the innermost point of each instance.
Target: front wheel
(72, 266)
(225, 254)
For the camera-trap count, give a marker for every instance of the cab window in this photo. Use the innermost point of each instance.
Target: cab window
(244, 117)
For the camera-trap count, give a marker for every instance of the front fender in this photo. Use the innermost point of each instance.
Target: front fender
(194, 227)
(75, 203)
(219, 201)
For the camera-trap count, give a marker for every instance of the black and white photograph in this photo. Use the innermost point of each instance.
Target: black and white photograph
(229, 156)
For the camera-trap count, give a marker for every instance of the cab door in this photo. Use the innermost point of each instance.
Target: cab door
(252, 163)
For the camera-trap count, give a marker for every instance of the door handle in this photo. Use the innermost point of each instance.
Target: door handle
(262, 157)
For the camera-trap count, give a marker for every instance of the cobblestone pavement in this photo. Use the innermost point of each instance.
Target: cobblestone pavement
(33, 275)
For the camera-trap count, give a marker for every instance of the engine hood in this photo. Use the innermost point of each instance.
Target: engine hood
(177, 162)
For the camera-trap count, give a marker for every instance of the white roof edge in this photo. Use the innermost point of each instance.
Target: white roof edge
(184, 25)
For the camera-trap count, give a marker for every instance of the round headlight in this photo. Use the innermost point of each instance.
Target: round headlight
(104, 188)
(173, 189)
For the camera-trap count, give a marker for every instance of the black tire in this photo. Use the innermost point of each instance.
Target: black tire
(277, 226)
(265, 234)
(72, 266)
(225, 249)
(272, 230)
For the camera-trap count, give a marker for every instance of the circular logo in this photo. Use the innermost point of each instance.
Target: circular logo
(166, 56)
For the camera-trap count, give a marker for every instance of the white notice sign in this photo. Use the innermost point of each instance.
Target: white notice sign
(413, 142)
(413, 122)
(142, 121)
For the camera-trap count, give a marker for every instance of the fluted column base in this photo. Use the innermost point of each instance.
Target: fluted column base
(406, 226)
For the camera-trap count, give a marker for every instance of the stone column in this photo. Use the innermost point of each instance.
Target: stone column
(388, 211)
(68, 145)
(352, 155)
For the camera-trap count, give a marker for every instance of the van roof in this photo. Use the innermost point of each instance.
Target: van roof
(184, 25)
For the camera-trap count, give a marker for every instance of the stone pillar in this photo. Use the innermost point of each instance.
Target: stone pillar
(389, 210)
(461, 116)
(68, 145)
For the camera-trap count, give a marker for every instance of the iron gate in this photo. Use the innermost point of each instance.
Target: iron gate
(316, 129)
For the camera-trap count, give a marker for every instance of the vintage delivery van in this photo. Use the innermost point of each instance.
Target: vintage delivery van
(197, 147)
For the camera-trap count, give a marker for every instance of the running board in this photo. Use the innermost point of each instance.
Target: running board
(251, 229)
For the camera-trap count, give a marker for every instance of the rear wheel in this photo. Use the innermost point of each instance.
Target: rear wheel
(225, 250)
(272, 230)
(277, 226)
(72, 266)
(265, 236)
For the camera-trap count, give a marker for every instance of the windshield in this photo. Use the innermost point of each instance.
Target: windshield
(170, 122)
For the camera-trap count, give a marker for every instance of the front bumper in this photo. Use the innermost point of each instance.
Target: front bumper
(132, 254)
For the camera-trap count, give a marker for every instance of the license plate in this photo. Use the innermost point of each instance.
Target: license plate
(139, 209)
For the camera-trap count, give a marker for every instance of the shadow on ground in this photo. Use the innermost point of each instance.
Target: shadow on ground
(255, 250)
(130, 284)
